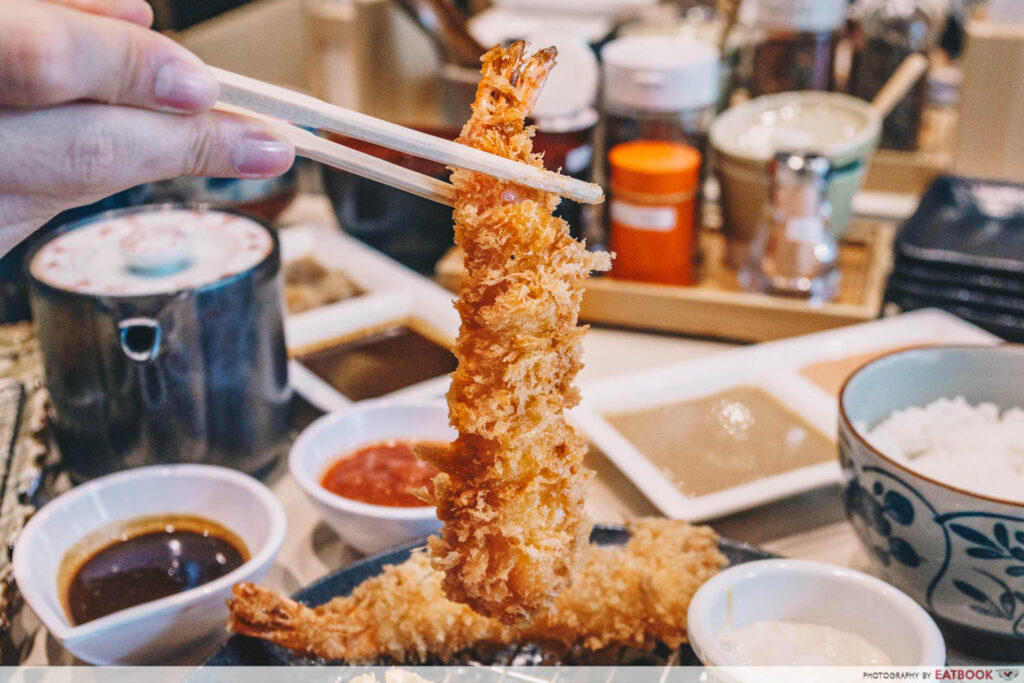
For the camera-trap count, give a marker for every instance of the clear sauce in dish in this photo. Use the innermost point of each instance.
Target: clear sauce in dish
(386, 473)
(726, 439)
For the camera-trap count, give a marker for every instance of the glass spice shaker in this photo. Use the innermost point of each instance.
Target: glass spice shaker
(885, 33)
(797, 51)
(793, 252)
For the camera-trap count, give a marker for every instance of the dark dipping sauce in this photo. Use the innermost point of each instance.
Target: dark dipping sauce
(150, 558)
(386, 473)
(380, 363)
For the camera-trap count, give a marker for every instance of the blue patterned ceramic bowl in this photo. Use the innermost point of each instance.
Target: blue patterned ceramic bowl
(960, 554)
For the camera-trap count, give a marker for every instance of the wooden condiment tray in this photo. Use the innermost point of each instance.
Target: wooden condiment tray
(717, 307)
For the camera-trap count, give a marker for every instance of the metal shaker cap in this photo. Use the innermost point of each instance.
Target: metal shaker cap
(800, 168)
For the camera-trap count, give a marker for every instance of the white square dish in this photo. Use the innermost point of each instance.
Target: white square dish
(700, 380)
(392, 296)
(774, 368)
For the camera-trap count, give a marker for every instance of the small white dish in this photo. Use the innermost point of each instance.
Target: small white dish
(687, 383)
(812, 593)
(368, 528)
(775, 368)
(161, 630)
(393, 295)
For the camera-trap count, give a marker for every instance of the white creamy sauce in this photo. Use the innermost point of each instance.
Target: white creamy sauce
(784, 643)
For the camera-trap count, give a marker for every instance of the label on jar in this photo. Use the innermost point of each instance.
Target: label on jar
(657, 218)
(807, 229)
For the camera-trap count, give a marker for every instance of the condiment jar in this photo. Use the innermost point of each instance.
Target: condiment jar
(566, 119)
(265, 199)
(654, 186)
(793, 252)
(568, 147)
(700, 23)
(660, 88)
(886, 33)
(798, 46)
(161, 331)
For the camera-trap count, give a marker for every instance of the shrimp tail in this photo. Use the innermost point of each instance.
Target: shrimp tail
(262, 613)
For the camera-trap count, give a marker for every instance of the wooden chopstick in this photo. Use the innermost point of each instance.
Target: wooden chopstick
(899, 84)
(347, 159)
(305, 110)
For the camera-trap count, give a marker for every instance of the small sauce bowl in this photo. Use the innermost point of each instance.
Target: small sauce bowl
(814, 593)
(162, 630)
(367, 527)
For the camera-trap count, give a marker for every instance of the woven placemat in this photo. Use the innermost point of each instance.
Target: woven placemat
(24, 454)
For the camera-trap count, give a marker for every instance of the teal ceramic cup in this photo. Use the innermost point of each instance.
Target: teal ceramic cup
(745, 138)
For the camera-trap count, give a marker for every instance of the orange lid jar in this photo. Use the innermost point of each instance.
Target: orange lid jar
(653, 211)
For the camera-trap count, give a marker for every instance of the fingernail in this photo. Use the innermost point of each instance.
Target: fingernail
(261, 154)
(184, 86)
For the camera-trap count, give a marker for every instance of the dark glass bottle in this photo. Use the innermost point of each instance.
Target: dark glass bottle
(798, 46)
(887, 32)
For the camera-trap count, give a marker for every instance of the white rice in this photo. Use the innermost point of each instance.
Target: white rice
(969, 447)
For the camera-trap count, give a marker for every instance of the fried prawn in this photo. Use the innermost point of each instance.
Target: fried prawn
(634, 595)
(511, 488)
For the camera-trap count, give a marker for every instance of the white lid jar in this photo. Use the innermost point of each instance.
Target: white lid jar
(659, 87)
(810, 16)
(660, 73)
(797, 48)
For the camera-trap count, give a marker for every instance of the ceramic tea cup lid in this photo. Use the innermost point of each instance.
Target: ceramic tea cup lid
(157, 251)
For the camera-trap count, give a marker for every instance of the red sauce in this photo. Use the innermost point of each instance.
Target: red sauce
(385, 473)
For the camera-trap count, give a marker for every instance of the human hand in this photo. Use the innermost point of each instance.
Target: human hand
(92, 102)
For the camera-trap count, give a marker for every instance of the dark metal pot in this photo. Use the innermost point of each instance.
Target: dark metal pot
(195, 374)
(414, 231)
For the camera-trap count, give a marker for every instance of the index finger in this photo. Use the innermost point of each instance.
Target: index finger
(50, 54)
(136, 11)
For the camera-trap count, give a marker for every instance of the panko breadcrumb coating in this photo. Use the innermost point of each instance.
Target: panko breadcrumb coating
(511, 488)
(634, 595)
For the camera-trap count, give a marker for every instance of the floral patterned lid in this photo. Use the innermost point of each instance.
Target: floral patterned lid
(152, 252)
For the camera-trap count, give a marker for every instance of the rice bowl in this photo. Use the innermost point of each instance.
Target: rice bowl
(957, 551)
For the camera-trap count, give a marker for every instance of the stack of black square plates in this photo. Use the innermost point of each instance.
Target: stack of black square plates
(963, 251)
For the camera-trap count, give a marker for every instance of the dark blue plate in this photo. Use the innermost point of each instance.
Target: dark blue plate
(1007, 326)
(246, 651)
(953, 276)
(956, 295)
(976, 224)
